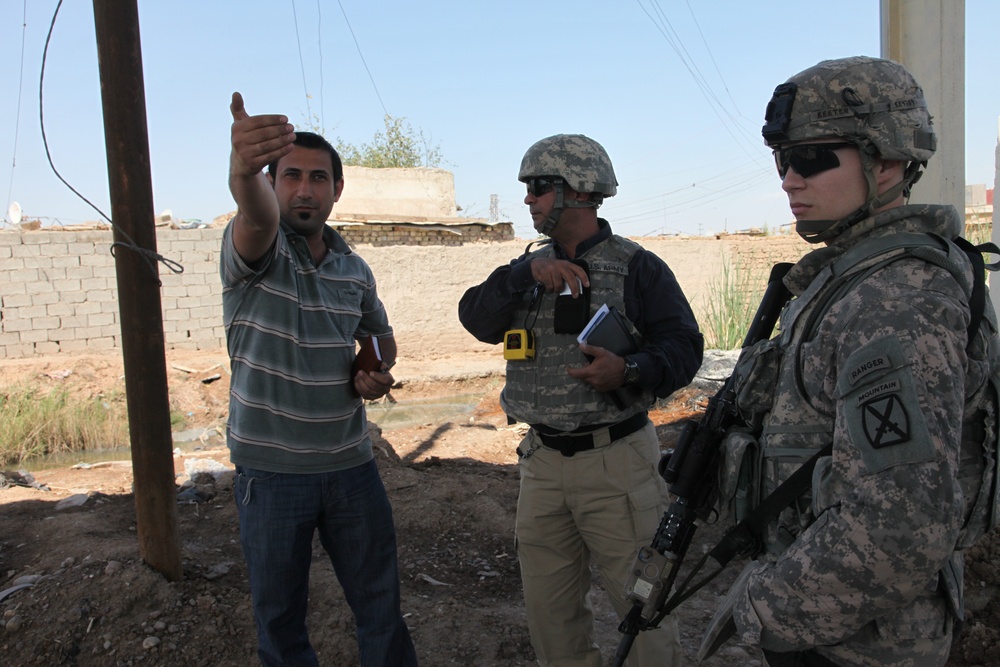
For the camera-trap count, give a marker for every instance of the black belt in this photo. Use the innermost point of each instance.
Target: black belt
(570, 442)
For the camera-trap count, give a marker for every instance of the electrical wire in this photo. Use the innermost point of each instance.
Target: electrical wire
(358, 46)
(319, 41)
(17, 121)
(146, 254)
(662, 23)
(712, 57)
(302, 65)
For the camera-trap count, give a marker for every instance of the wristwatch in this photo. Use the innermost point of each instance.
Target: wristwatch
(631, 371)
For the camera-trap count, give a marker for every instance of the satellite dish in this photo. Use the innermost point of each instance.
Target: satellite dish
(14, 213)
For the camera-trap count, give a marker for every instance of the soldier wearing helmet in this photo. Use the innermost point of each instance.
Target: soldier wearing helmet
(589, 480)
(882, 378)
(872, 106)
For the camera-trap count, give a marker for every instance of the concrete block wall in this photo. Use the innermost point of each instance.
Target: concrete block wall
(456, 235)
(59, 292)
(58, 289)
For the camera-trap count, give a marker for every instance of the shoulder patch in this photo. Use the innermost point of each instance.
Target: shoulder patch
(885, 420)
(880, 405)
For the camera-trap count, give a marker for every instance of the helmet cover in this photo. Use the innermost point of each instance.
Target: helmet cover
(579, 160)
(870, 101)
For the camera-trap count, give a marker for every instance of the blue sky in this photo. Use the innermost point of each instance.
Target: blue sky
(674, 90)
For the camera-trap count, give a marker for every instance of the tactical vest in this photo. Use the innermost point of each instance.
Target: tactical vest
(791, 429)
(539, 390)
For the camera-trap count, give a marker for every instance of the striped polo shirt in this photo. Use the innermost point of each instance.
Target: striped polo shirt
(291, 328)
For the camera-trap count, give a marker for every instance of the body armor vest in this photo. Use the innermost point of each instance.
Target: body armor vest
(539, 391)
(773, 398)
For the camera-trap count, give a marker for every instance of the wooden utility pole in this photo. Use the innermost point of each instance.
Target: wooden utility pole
(119, 55)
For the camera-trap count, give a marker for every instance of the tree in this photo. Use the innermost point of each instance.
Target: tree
(398, 146)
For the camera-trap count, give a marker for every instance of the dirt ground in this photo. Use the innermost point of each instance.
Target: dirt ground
(74, 591)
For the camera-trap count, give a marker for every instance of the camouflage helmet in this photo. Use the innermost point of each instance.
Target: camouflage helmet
(580, 161)
(869, 101)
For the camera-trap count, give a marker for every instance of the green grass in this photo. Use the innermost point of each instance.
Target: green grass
(979, 233)
(35, 423)
(732, 303)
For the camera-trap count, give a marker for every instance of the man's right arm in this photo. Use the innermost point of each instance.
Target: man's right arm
(256, 142)
(486, 310)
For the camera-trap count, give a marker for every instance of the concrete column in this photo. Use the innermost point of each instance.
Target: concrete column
(928, 38)
(994, 285)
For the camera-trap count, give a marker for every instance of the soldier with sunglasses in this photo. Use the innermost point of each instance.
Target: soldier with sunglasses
(883, 375)
(589, 480)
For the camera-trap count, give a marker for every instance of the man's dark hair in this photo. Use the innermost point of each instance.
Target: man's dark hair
(313, 140)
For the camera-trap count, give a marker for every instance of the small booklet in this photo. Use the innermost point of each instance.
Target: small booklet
(607, 329)
(369, 358)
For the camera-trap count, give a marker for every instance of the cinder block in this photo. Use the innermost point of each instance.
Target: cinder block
(45, 299)
(83, 273)
(104, 343)
(28, 312)
(20, 351)
(33, 335)
(26, 251)
(73, 344)
(47, 347)
(43, 264)
(74, 298)
(16, 301)
(100, 319)
(67, 285)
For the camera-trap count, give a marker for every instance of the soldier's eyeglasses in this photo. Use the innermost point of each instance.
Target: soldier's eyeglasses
(539, 186)
(808, 159)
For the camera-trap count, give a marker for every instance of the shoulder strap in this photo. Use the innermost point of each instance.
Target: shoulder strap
(977, 302)
(909, 242)
(742, 538)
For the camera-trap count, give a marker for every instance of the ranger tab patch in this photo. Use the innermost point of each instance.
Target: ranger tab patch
(881, 405)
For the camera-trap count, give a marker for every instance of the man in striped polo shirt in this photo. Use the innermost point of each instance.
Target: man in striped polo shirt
(295, 300)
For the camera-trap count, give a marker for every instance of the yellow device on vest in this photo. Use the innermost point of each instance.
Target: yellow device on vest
(518, 345)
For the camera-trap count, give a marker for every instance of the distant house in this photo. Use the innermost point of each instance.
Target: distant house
(978, 206)
(405, 207)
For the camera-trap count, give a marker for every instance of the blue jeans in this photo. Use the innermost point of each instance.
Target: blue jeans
(278, 515)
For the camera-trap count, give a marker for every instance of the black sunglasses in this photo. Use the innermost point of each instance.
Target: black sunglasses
(808, 159)
(539, 186)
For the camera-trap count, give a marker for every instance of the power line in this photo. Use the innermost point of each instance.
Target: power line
(302, 65)
(666, 29)
(712, 57)
(358, 46)
(17, 121)
(319, 40)
(146, 254)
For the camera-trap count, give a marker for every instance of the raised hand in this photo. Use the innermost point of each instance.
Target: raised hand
(257, 140)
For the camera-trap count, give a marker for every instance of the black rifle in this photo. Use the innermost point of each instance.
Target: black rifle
(690, 471)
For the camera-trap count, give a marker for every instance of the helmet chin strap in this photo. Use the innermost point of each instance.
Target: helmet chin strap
(820, 231)
(561, 204)
(552, 220)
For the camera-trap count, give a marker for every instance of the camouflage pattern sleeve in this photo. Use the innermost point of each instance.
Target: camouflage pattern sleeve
(888, 360)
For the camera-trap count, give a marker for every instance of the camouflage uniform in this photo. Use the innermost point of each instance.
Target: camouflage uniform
(873, 357)
(862, 568)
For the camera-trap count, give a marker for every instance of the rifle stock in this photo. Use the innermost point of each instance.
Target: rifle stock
(689, 472)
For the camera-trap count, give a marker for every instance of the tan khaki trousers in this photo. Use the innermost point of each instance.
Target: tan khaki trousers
(605, 503)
